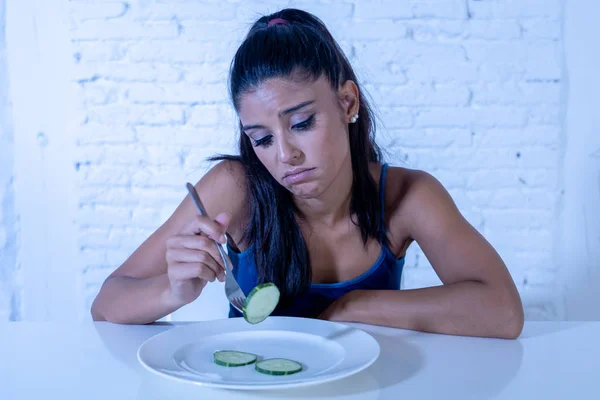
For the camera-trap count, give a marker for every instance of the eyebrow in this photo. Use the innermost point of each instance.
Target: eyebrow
(281, 114)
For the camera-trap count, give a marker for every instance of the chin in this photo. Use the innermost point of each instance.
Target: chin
(305, 190)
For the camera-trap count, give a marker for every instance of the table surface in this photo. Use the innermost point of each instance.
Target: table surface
(551, 360)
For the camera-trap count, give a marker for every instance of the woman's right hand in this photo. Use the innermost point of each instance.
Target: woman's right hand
(193, 259)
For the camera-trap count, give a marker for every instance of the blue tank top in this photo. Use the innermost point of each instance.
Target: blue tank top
(383, 275)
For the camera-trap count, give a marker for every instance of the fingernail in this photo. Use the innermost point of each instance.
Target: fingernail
(223, 239)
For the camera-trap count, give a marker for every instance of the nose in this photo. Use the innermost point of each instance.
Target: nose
(287, 152)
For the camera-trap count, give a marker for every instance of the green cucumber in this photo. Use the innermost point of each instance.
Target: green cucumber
(230, 358)
(260, 303)
(278, 366)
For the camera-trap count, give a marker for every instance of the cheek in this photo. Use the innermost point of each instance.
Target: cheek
(268, 158)
(264, 157)
(334, 143)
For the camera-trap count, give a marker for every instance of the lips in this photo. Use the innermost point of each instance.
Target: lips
(296, 172)
(297, 175)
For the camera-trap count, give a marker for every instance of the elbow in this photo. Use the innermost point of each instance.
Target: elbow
(503, 313)
(514, 325)
(97, 316)
(512, 320)
(100, 309)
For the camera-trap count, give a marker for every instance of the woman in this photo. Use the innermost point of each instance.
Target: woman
(309, 206)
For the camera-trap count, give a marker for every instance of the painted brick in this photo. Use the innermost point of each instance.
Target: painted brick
(206, 73)
(545, 114)
(383, 9)
(208, 115)
(168, 51)
(137, 114)
(512, 198)
(84, 11)
(408, 51)
(493, 30)
(432, 137)
(99, 94)
(120, 72)
(94, 133)
(420, 95)
(95, 51)
(363, 30)
(123, 30)
(543, 61)
(534, 219)
(494, 179)
(209, 30)
(422, 71)
(488, 116)
(439, 9)
(550, 9)
(530, 135)
(103, 215)
(105, 175)
(183, 93)
(506, 93)
(541, 28)
(396, 117)
(208, 11)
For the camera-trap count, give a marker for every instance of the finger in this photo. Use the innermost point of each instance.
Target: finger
(196, 242)
(206, 226)
(194, 256)
(184, 271)
(223, 219)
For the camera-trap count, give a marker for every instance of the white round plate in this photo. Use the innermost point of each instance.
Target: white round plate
(327, 351)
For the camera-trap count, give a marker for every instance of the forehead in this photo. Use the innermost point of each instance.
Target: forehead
(277, 94)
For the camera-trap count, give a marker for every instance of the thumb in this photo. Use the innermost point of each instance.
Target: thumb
(223, 220)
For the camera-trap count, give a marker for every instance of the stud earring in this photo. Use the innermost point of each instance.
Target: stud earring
(354, 118)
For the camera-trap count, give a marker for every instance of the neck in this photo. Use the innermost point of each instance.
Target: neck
(333, 205)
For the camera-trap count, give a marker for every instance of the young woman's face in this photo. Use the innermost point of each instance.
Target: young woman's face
(299, 132)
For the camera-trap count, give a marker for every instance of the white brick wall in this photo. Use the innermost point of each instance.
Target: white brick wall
(469, 90)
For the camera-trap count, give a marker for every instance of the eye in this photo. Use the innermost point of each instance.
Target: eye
(306, 124)
(264, 142)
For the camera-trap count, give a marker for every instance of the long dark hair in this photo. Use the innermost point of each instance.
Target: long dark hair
(302, 46)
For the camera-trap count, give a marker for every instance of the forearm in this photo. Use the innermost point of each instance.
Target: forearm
(466, 308)
(127, 300)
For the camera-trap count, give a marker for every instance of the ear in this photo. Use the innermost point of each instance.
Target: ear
(349, 99)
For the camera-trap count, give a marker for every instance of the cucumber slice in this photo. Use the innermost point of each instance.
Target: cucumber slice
(260, 303)
(278, 366)
(230, 358)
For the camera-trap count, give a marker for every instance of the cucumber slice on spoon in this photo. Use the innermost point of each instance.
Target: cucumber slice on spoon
(260, 303)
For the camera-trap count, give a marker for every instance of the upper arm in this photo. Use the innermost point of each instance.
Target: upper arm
(221, 189)
(455, 249)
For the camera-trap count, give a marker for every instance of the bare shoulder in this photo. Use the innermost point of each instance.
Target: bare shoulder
(416, 196)
(414, 200)
(424, 211)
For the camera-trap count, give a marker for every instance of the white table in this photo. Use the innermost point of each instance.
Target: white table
(551, 360)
